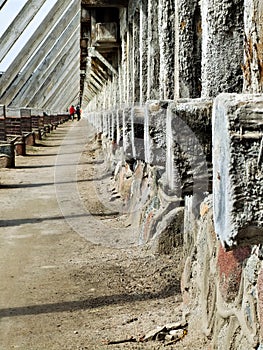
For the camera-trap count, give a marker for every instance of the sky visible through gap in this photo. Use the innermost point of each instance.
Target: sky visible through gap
(7, 14)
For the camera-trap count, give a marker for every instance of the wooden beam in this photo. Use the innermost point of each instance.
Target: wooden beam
(28, 50)
(62, 47)
(94, 53)
(2, 3)
(58, 77)
(18, 25)
(59, 88)
(70, 97)
(105, 3)
(42, 51)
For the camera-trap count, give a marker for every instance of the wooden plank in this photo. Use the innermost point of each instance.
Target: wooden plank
(94, 53)
(43, 73)
(56, 75)
(27, 51)
(60, 89)
(237, 170)
(2, 3)
(42, 51)
(18, 25)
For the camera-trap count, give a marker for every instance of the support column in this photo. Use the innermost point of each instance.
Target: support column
(237, 169)
(153, 62)
(222, 46)
(136, 56)
(253, 66)
(143, 51)
(189, 48)
(167, 42)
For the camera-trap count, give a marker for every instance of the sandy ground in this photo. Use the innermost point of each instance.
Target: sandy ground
(72, 274)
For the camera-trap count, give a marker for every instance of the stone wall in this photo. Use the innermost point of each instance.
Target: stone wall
(164, 150)
(187, 155)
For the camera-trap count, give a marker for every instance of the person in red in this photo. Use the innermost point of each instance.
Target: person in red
(72, 112)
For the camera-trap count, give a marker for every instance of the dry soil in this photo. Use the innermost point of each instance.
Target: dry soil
(68, 280)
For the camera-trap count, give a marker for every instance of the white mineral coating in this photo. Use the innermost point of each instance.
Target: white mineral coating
(113, 123)
(237, 168)
(2, 110)
(155, 132)
(188, 157)
(253, 24)
(99, 121)
(222, 46)
(119, 126)
(189, 48)
(128, 133)
(137, 132)
(12, 112)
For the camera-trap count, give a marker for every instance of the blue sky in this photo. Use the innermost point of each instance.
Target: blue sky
(7, 14)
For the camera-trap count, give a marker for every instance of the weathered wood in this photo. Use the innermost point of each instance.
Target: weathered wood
(94, 53)
(56, 75)
(2, 110)
(2, 3)
(237, 169)
(2, 129)
(62, 91)
(189, 148)
(44, 48)
(95, 82)
(71, 96)
(121, 341)
(253, 49)
(28, 50)
(106, 32)
(44, 72)
(18, 25)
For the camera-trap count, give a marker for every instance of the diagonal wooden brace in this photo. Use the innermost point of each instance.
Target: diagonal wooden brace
(94, 53)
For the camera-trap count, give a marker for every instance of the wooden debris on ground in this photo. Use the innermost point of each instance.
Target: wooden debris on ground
(121, 341)
(169, 334)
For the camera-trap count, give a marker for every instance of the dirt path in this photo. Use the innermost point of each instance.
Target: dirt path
(68, 281)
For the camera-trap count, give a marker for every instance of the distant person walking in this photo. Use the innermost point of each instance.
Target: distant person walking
(78, 112)
(72, 112)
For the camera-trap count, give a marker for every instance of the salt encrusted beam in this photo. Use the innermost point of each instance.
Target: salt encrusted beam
(94, 53)
(253, 53)
(188, 165)
(237, 169)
